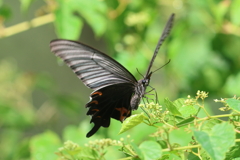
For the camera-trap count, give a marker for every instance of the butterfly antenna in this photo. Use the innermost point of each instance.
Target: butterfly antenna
(165, 33)
(140, 73)
(162, 66)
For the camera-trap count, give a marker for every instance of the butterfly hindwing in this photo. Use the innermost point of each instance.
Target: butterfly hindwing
(109, 102)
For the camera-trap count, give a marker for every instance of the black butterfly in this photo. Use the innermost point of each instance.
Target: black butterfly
(116, 91)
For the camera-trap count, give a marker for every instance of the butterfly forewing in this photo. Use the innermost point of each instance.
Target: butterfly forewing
(93, 67)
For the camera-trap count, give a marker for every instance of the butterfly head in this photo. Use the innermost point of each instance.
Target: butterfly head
(145, 82)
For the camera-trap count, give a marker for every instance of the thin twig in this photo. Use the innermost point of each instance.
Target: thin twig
(36, 22)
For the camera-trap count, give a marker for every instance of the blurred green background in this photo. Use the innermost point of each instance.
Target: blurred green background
(42, 101)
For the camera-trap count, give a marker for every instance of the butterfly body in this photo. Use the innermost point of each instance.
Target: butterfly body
(116, 91)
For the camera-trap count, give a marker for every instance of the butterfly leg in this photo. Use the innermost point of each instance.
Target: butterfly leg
(156, 96)
(147, 98)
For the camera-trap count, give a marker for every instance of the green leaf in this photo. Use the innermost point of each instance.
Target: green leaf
(234, 104)
(137, 150)
(44, 145)
(187, 111)
(68, 25)
(235, 12)
(94, 12)
(71, 148)
(185, 122)
(208, 125)
(88, 154)
(151, 150)
(218, 141)
(219, 10)
(234, 152)
(25, 4)
(172, 107)
(174, 157)
(5, 12)
(232, 85)
(180, 137)
(192, 156)
(179, 102)
(131, 122)
(76, 134)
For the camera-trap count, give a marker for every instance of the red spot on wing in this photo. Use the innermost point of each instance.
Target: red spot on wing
(95, 102)
(123, 113)
(96, 93)
(96, 110)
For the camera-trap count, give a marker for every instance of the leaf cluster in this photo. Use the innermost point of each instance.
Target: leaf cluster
(207, 137)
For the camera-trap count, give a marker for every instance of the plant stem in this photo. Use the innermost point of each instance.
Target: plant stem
(23, 26)
(217, 116)
(181, 148)
(187, 147)
(206, 111)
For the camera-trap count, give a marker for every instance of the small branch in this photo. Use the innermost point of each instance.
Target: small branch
(202, 106)
(36, 22)
(187, 147)
(181, 148)
(217, 116)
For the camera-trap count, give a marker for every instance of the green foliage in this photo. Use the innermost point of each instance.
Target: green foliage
(131, 122)
(208, 137)
(150, 150)
(217, 141)
(16, 110)
(186, 135)
(172, 135)
(5, 12)
(67, 25)
(204, 49)
(43, 145)
(25, 4)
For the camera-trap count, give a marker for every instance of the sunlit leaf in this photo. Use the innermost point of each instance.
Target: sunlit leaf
(88, 154)
(185, 110)
(44, 145)
(232, 85)
(185, 122)
(208, 125)
(75, 134)
(151, 150)
(219, 9)
(235, 12)
(137, 150)
(68, 24)
(217, 141)
(131, 122)
(25, 4)
(171, 107)
(94, 13)
(234, 104)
